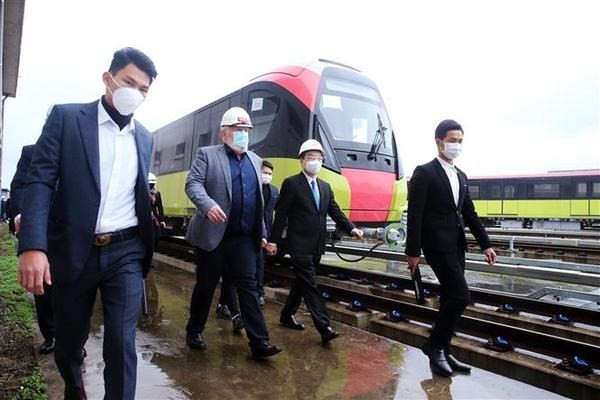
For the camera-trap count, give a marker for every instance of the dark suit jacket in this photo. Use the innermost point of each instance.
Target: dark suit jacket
(62, 196)
(270, 207)
(19, 181)
(306, 226)
(435, 223)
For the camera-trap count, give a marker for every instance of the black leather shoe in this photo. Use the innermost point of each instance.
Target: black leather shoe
(455, 364)
(47, 347)
(196, 341)
(264, 350)
(290, 322)
(437, 361)
(328, 335)
(223, 312)
(237, 323)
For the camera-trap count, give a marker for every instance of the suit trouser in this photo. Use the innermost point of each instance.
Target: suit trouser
(305, 287)
(45, 316)
(236, 257)
(228, 295)
(116, 270)
(260, 273)
(449, 268)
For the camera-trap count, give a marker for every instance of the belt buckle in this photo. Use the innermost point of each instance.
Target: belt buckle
(102, 239)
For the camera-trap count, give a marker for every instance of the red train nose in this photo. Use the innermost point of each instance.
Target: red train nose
(370, 194)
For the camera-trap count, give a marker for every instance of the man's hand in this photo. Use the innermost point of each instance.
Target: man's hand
(263, 243)
(34, 271)
(490, 256)
(216, 215)
(413, 263)
(17, 223)
(357, 233)
(271, 249)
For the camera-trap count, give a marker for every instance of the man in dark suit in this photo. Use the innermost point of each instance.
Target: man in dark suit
(86, 222)
(228, 230)
(304, 203)
(43, 303)
(439, 208)
(270, 194)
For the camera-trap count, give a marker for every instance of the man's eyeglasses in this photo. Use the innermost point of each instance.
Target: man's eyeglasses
(315, 159)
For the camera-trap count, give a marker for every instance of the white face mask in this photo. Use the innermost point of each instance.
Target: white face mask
(125, 99)
(313, 167)
(266, 178)
(452, 150)
(239, 143)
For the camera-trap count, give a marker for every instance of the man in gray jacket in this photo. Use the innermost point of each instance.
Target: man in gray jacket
(228, 229)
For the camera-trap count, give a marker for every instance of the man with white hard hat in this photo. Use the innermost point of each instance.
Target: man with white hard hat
(228, 229)
(304, 203)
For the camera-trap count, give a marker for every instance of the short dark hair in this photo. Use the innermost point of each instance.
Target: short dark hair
(129, 55)
(445, 126)
(267, 164)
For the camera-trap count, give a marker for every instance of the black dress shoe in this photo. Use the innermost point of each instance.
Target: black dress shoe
(196, 341)
(328, 335)
(223, 311)
(290, 322)
(437, 361)
(47, 347)
(455, 364)
(237, 323)
(264, 350)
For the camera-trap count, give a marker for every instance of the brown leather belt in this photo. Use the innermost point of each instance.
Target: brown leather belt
(104, 239)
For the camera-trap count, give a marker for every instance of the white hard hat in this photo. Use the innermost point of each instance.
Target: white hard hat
(236, 116)
(151, 178)
(311, 144)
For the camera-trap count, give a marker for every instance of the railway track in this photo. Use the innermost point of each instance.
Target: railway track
(481, 319)
(541, 332)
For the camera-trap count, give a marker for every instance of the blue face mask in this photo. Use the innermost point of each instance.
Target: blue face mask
(240, 141)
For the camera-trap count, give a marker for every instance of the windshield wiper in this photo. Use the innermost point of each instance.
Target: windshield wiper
(377, 140)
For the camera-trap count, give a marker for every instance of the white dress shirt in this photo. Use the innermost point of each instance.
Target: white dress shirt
(452, 177)
(118, 174)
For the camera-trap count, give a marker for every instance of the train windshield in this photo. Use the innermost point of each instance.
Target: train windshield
(353, 114)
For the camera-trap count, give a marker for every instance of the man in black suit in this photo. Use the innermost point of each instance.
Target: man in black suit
(43, 303)
(304, 203)
(439, 208)
(270, 194)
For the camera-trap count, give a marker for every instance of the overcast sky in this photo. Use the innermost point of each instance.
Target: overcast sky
(522, 77)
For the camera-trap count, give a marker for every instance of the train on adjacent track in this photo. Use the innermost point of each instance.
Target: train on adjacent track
(568, 200)
(324, 100)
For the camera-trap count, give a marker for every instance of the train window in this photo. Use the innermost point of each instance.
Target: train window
(495, 192)
(263, 107)
(581, 190)
(352, 114)
(509, 191)
(546, 191)
(474, 191)
(180, 150)
(596, 189)
(157, 159)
